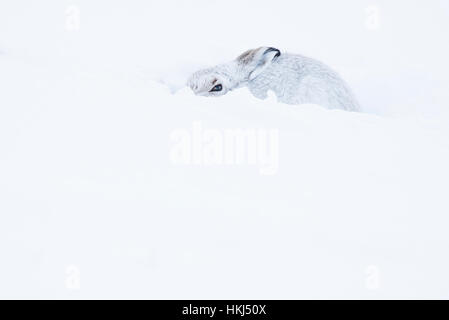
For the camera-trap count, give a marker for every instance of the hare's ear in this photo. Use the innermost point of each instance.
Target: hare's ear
(256, 61)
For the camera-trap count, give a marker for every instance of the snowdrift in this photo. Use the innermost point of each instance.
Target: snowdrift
(118, 182)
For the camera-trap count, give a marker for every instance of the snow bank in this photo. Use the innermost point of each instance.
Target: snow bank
(94, 205)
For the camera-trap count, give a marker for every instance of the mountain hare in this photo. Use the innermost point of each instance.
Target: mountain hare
(294, 79)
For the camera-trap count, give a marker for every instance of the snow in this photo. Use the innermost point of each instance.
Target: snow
(93, 205)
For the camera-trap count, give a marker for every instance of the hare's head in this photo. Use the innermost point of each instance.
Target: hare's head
(220, 80)
(210, 82)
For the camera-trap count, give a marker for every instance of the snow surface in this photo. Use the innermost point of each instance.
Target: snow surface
(93, 206)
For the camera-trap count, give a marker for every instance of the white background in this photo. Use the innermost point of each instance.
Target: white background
(92, 207)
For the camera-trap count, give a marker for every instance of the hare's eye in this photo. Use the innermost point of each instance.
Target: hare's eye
(217, 88)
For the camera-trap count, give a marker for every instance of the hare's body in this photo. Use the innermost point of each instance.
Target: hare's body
(294, 79)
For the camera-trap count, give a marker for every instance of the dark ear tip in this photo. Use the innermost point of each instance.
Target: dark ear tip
(271, 49)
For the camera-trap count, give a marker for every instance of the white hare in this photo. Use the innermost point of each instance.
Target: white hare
(294, 79)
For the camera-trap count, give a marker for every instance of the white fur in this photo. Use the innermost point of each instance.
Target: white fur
(294, 79)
